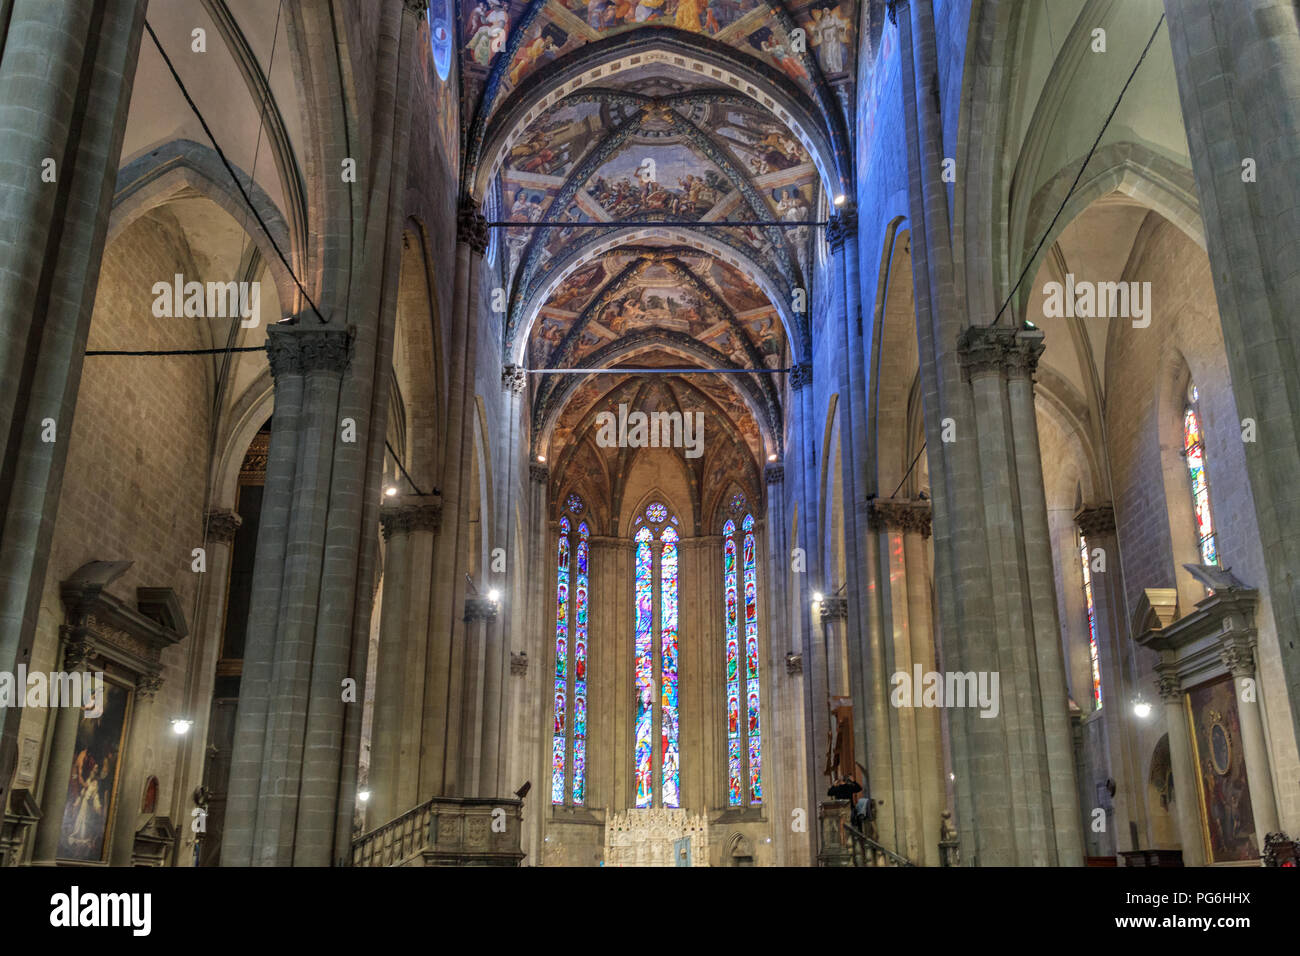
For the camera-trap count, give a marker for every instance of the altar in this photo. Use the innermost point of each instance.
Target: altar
(656, 837)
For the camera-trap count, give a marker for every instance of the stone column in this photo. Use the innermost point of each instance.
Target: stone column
(1097, 524)
(480, 615)
(307, 365)
(1183, 766)
(533, 746)
(52, 236)
(1238, 651)
(1022, 361)
(834, 613)
(441, 774)
(1238, 68)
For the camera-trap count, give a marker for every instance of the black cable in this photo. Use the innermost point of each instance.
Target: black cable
(711, 224)
(909, 468)
(656, 371)
(230, 169)
(1073, 186)
(404, 472)
(221, 351)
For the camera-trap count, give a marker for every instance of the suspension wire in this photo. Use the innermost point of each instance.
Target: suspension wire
(1075, 185)
(230, 169)
(909, 470)
(396, 458)
(720, 224)
(137, 352)
(658, 371)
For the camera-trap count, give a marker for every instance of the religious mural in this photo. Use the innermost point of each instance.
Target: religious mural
(93, 778)
(1227, 817)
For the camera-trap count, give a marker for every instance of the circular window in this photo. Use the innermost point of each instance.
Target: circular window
(656, 512)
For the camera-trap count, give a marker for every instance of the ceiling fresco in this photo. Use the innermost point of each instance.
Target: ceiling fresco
(657, 206)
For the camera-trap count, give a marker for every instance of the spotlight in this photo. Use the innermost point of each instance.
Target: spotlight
(494, 595)
(390, 490)
(772, 457)
(841, 199)
(817, 597)
(363, 796)
(1141, 709)
(541, 458)
(181, 726)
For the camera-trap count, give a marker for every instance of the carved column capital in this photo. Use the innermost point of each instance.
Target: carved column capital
(1169, 687)
(519, 663)
(906, 515)
(292, 351)
(471, 227)
(834, 609)
(514, 378)
(774, 474)
(1096, 521)
(410, 513)
(417, 7)
(793, 663)
(539, 473)
(479, 609)
(801, 375)
(843, 225)
(148, 685)
(222, 525)
(1238, 653)
(834, 234)
(995, 349)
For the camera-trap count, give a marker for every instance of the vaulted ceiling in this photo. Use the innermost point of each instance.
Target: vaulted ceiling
(619, 135)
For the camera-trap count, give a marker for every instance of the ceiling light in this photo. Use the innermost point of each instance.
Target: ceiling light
(1141, 708)
(772, 457)
(494, 595)
(817, 597)
(541, 458)
(841, 199)
(363, 796)
(390, 490)
(181, 726)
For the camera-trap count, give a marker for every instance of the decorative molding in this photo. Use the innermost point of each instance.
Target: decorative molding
(100, 628)
(222, 525)
(471, 227)
(801, 375)
(775, 474)
(514, 378)
(834, 609)
(148, 685)
(1169, 687)
(1238, 653)
(909, 516)
(293, 350)
(479, 609)
(1096, 521)
(539, 473)
(793, 663)
(411, 513)
(519, 663)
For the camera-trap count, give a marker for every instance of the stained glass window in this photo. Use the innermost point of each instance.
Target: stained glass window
(1092, 622)
(572, 607)
(645, 679)
(744, 735)
(656, 513)
(668, 730)
(1194, 449)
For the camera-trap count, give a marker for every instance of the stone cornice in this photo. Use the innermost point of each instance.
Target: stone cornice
(222, 525)
(410, 513)
(1095, 521)
(907, 515)
(293, 350)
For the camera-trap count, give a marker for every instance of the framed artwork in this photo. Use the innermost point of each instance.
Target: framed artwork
(93, 778)
(1227, 818)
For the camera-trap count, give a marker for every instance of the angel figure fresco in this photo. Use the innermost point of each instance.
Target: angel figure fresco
(829, 32)
(488, 26)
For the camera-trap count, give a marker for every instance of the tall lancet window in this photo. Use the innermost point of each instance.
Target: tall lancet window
(569, 765)
(1092, 622)
(657, 770)
(1194, 450)
(744, 738)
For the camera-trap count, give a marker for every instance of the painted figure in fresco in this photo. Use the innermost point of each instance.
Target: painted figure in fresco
(490, 26)
(648, 10)
(829, 32)
(690, 15)
(550, 39)
(784, 59)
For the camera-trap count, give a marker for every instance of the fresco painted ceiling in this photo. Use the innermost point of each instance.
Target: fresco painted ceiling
(616, 137)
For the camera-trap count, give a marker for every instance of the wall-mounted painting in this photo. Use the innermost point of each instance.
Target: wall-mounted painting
(93, 778)
(1228, 821)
